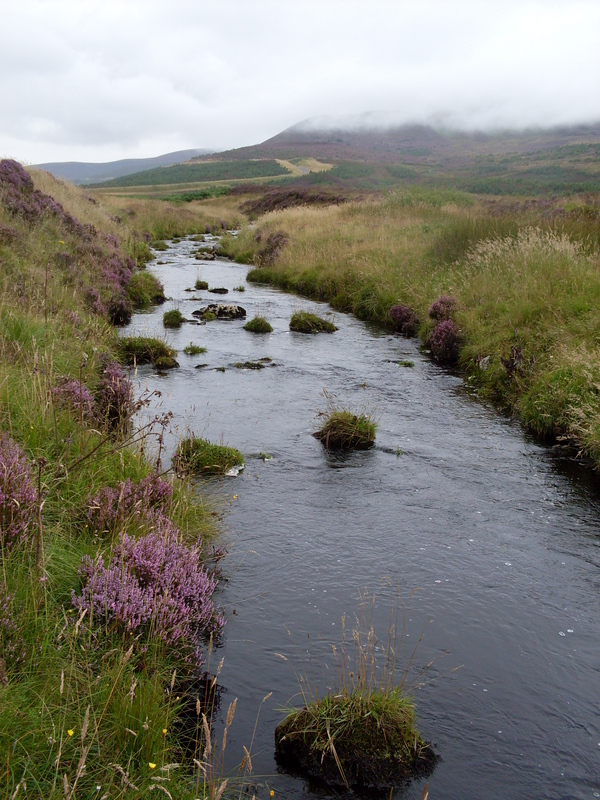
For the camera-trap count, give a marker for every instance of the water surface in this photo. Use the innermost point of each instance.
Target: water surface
(498, 534)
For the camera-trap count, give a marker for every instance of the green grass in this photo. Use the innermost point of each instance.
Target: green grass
(203, 171)
(199, 456)
(258, 325)
(81, 709)
(159, 244)
(201, 285)
(143, 350)
(305, 322)
(144, 289)
(173, 318)
(193, 349)
(240, 288)
(343, 430)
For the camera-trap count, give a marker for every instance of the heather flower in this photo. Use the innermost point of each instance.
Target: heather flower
(111, 506)
(154, 585)
(404, 319)
(18, 496)
(114, 397)
(443, 307)
(8, 234)
(75, 394)
(120, 310)
(444, 342)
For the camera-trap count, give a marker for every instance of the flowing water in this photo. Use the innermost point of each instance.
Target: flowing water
(499, 535)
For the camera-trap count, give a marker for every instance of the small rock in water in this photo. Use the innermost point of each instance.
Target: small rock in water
(219, 290)
(221, 311)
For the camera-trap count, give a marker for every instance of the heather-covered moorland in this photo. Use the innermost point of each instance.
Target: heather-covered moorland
(107, 588)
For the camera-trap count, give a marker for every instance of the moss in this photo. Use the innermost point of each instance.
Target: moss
(258, 325)
(208, 316)
(143, 350)
(194, 349)
(200, 456)
(249, 365)
(305, 322)
(144, 289)
(173, 318)
(200, 285)
(365, 741)
(344, 430)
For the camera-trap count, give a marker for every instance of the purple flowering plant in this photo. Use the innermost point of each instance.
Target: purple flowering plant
(443, 308)
(114, 397)
(444, 342)
(155, 586)
(18, 495)
(76, 395)
(404, 319)
(147, 500)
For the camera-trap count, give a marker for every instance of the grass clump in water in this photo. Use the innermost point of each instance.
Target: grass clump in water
(362, 735)
(343, 430)
(159, 244)
(194, 349)
(144, 350)
(173, 318)
(144, 288)
(200, 456)
(305, 322)
(240, 288)
(201, 285)
(258, 325)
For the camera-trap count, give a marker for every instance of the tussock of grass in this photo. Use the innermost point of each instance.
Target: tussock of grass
(305, 322)
(362, 734)
(144, 288)
(201, 285)
(143, 350)
(343, 430)
(173, 318)
(258, 325)
(199, 456)
(193, 349)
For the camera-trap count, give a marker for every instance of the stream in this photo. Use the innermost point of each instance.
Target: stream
(495, 537)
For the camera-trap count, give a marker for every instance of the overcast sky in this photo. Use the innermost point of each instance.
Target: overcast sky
(97, 80)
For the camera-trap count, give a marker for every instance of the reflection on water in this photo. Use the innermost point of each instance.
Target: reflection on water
(499, 535)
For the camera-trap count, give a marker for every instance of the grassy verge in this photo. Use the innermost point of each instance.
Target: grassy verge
(91, 667)
(525, 276)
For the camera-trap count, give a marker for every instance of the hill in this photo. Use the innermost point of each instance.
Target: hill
(540, 161)
(79, 172)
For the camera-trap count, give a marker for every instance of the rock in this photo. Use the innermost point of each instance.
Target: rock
(221, 311)
(219, 290)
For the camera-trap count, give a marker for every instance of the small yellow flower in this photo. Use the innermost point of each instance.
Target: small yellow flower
(164, 730)
(151, 765)
(235, 497)
(60, 241)
(70, 731)
(271, 793)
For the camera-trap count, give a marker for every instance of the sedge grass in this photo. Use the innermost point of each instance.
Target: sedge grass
(199, 456)
(344, 430)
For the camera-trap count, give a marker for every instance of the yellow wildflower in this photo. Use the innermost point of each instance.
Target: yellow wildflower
(164, 730)
(271, 793)
(151, 765)
(70, 731)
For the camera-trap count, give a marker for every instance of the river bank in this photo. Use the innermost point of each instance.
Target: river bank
(525, 277)
(108, 565)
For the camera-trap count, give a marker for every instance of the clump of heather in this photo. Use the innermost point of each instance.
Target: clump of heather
(75, 395)
(111, 506)
(18, 495)
(114, 397)
(12, 645)
(443, 308)
(119, 310)
(8, 234)
(404, 320)
(444, 342)
(154, 585)
(31, 205)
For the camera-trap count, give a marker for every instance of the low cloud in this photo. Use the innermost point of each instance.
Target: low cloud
(103, 80)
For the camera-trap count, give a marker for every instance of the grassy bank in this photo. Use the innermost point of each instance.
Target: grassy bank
(525, 276)
(98, 666)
